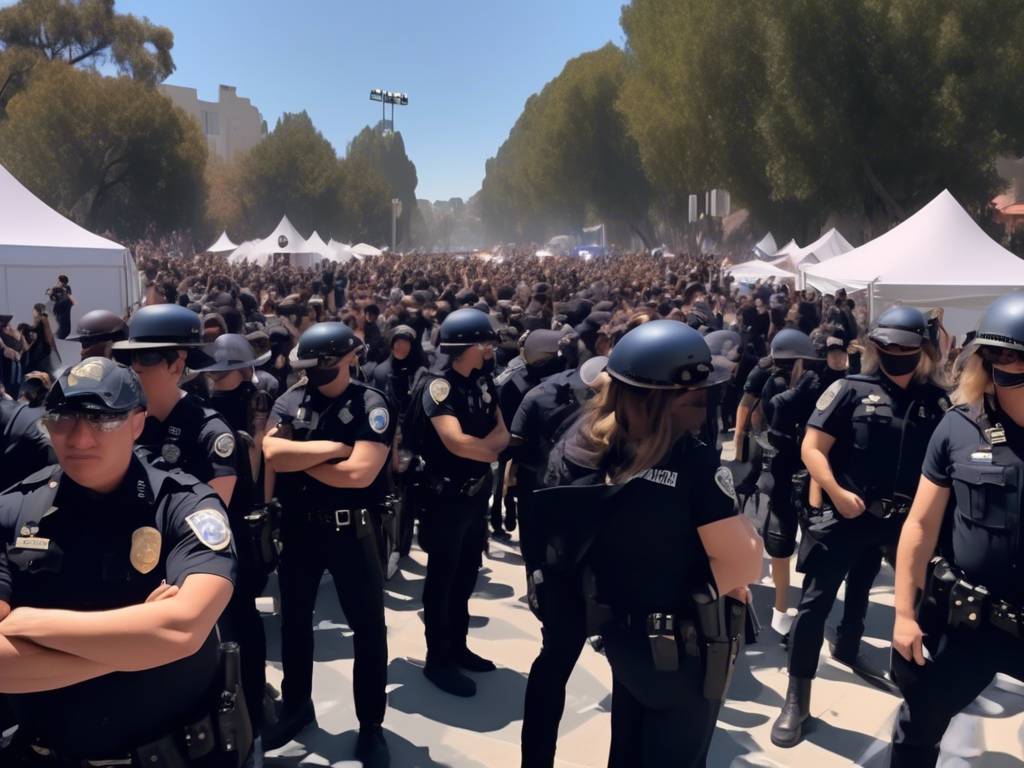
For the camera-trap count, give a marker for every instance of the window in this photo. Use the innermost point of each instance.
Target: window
(211, 123)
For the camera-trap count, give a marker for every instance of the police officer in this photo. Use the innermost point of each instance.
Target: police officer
(328, 443)
(668, 546)
(116, 572)
(464, 434)
(545, 414)
(969, 616)
(237, 400)
(864, 444)
(180, 432)
(97, 332)
(791, 349)
(24, 445)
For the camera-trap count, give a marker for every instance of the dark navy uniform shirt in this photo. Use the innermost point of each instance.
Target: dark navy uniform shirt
(985, 539)
(474, 402)
(756, 380)
(359, 413)
(92, 552)
(192, 438)
(543, 416)
(24, 445)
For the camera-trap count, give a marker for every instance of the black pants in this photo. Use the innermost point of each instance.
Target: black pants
(964, 661)
(848, 547)
(563, 614)
(658, 718)
(241, 623)
(353, 561)
(454, 530)
(780, 524)
(498, 495)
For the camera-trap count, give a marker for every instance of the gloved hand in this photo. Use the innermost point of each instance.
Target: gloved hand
(807, 383)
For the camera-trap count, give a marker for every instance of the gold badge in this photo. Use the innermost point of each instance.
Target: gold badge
(145, 549)
(90, 369)
(439, 390)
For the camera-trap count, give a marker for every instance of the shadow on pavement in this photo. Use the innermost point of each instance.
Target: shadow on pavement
(335, 748)
(498, 702)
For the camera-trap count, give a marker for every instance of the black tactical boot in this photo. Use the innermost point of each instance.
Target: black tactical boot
(371, 748)
(788, 727)
(449, 679)
(288, 726)
(473, 663)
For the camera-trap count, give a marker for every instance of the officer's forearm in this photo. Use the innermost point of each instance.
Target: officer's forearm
(472, 448)
(293, 456)
(498, 438)
(820, 470)
(918, 539)
(26, 667)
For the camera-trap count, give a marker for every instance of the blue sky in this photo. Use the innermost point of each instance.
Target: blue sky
(467, 65)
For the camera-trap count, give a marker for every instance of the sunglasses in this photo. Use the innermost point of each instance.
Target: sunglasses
(64, 422)
(897, 349)
(326, 362)
(147, 358)
(1001, 356)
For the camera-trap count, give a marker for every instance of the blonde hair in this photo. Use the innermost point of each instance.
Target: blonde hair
(637, 423)
(973, 382)
(928, 368)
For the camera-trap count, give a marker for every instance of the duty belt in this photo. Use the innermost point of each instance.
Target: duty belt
(339, 518)
(886, 508)
(971, 605)
(447, 486)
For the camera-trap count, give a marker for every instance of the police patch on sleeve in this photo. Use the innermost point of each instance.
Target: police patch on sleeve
(210, 527)
(224, 445)
(829, 395)
(439, 390)
(379, 420)
(723, 479)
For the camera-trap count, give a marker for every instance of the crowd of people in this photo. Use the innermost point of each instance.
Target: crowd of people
(250, 419)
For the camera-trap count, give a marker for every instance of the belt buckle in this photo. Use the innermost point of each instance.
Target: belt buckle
(342, 517)
(660, 624)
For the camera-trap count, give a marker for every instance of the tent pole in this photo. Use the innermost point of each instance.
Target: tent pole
(871, 300)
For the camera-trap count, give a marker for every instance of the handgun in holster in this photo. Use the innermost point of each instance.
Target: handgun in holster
(661, 633)
(720, 624)
(800, 494)
(234, 729)
(967, 605)
(260, 525)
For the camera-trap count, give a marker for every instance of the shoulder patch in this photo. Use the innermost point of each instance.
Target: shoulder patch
(379, 420)
(439, 390)
(211, 527)
(224, 445)
(829, 395)
(724, 481)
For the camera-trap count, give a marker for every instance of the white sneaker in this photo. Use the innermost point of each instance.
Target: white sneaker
(781, 621)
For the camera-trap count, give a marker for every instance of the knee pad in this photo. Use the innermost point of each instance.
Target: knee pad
(779, 532)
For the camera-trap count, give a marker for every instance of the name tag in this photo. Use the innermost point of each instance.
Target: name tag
(981, 457)
(32, 542)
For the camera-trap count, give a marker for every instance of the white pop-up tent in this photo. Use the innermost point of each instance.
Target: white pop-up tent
(765, 247)
(340, 252)
(939, 257)
(752, 271)
(826, 247)
(37, 244)
(222, 245)
(285, 239)
(247, 250)
(364, 249)
(787, 249)
(316, 245)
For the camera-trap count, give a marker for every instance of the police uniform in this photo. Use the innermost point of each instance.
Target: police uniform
(193, 438)
(24, 446)
(978, 454)
(454, 509)
(326, 528)
(157, 526)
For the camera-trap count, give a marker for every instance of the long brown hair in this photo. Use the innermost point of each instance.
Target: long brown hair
(636, 424)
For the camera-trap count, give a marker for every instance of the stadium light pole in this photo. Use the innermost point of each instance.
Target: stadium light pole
(385, 98)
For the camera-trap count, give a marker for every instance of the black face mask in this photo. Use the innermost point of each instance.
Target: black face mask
(488, 366)
(321, 377)
(234, 405)
(898, 365)
(1007, 380)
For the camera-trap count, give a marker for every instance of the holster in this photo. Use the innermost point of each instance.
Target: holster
(800, 494)
(720, 626)
(234, 729)
(260, 529)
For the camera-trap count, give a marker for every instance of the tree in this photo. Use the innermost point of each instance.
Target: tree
(385, 153)
(109, 152)
(804, 108)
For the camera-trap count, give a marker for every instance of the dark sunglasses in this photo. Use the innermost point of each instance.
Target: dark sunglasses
(147, 358)
(897, 349)
(1001, 355)
(64, 422)
(328, 361)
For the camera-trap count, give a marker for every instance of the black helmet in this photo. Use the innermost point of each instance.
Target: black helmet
(467, 326)
(165, 326)
(903, 325)
(791, 344)
(100, 325)
(1002, 325)
(96, 384)
(232, 352)
(329, 339)
(664, 354)
(727, 344)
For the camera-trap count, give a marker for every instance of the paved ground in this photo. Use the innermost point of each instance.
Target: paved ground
(852, 721)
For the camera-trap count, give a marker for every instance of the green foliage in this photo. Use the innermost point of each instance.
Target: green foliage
(569, 157)
(111, 153)
(805, 107)
(385, 153)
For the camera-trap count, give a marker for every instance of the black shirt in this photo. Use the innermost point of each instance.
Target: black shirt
(116, 549)
(193, 438)
(474, 402)
(360, 413)
(24, 446)
(543, 416)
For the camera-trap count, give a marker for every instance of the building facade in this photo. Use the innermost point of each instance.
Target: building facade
(231, 124)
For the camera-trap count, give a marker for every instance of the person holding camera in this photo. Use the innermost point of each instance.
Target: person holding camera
(63, 301)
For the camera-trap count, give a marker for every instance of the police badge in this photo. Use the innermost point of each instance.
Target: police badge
(145, 552)
(171, 453)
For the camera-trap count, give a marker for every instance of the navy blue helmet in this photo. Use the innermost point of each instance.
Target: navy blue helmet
(664, 354)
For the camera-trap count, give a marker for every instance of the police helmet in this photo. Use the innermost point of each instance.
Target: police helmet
(467, 326)
(727, 344)
(1002, 325)
(664, 354)
(902, 325)
(100, 325)
(323, 340)
(232, 352)
(96, 384)
(792, 344)
(163, 326)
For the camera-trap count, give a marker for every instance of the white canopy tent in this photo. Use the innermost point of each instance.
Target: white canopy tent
(37, 244)
(939, 257)
(316, 245)
(766, 247)
(340, 252)
(364, 249)
(247, 250)
(826, 247)
(752, 271)
(787, 249)
(222, 245)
